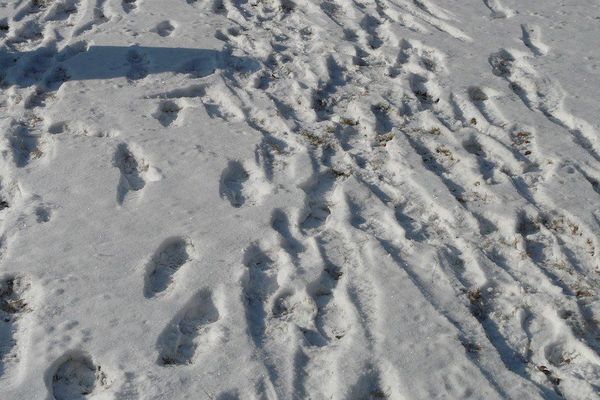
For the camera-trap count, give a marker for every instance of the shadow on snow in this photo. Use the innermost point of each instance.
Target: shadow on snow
(48, 68)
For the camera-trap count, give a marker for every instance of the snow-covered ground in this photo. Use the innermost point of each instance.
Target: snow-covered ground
(299, 199)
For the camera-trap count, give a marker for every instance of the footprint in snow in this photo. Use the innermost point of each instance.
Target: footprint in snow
(12, 306)
(170, 256)
(188, 331)
(164, 28)
(138, 65)
(232, 183)
(167, 112)
(76, 377)
(135, 171)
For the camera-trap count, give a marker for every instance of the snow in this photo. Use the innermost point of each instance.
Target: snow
(288, 199)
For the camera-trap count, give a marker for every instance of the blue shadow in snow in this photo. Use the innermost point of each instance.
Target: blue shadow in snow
(48, 68)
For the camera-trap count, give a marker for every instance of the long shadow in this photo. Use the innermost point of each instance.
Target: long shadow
(48, 68)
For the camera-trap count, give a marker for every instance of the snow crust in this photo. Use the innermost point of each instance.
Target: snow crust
(299, 199)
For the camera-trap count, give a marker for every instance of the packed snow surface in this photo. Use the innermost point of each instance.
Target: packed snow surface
(299, 199)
